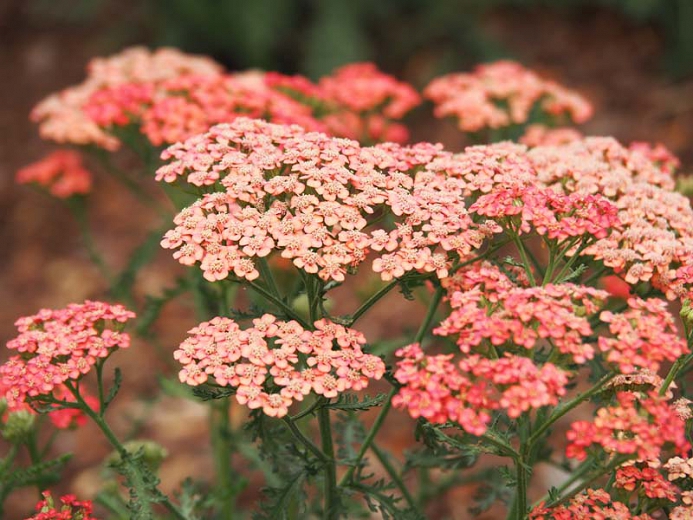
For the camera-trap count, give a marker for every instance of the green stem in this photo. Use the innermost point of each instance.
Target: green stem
(220, 427)
(370, 436)
(298, 435)
(560, 411)
(394, 475)
(138, 480)
(372, 301)
(678, 365)
(387, 405)
(525, 259)
(134, 188)
(279, 303)
(331, 509)
(78, 209)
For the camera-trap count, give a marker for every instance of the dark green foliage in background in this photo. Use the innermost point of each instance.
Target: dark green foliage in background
(315, 36)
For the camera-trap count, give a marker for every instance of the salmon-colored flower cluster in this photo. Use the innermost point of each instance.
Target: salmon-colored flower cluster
(61, 116)
(653, 243)
(69, 508)
(644, 477)
(358, 101)
(541, 135)
(639, 424)
(61, 173)
(596, 504)
(311, 197)
(56, 346)
(489, 309)
(274, 363)
(502, 94)
(175, 109)
(467, 391)
(644, 335)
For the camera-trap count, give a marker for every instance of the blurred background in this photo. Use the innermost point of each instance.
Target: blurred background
(632, 58)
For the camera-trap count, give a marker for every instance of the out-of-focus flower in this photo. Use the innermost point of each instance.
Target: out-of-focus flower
(540, 135)
(68, 508)
(592, 503)
(501, 94)
(61, 116)
(61, 173)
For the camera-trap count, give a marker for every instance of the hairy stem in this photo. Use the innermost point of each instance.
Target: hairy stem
(331, 510)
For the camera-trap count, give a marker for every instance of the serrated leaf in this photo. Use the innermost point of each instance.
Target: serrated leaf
(39, 472)
(113, 391)
(208, 393)
(573, 274)
(350, 402)
(284, 502)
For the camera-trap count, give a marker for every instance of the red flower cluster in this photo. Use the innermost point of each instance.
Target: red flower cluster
(644, 335)
(56, 346)
(501, 94)
(488, 309)
(61, 173)
(61, 116)
(263, 363)
(358, 101)
(638, 424)
(466, 392)
(69, 509)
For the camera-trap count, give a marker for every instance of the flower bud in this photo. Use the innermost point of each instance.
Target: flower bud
(687, 312)
(18, 426)
(153, 454)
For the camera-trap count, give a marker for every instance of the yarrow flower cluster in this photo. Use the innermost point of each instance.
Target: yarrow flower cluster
(311, 197)
(592, 503)
(466, 392)
(172, 96)
(61, 116)
(640, 424)
(274, 363)
(69, 508)
(57, 346)
(502, 94)
(644, 335)
(177, 108)
(61, 173)
(489, 309)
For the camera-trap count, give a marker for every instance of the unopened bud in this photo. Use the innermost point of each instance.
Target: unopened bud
(18, 426)
(153, 454)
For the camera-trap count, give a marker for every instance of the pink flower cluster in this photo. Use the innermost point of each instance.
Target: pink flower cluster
(466, 392)
(61, 116)
(175, 109)
(489, 310)
(639, 424)
(540, 135)
(61, 173)
(274, 363)
(501, 94)
(595, 504)
(646, 478)
(644, 335)
(654, 241)
(311, 197)
(358, 101)
(55, 346)
(69, 508)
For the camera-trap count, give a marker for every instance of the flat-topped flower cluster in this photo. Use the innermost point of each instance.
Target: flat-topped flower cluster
(170, 96)
(502, 94)
(275, 363)
(58, 346)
